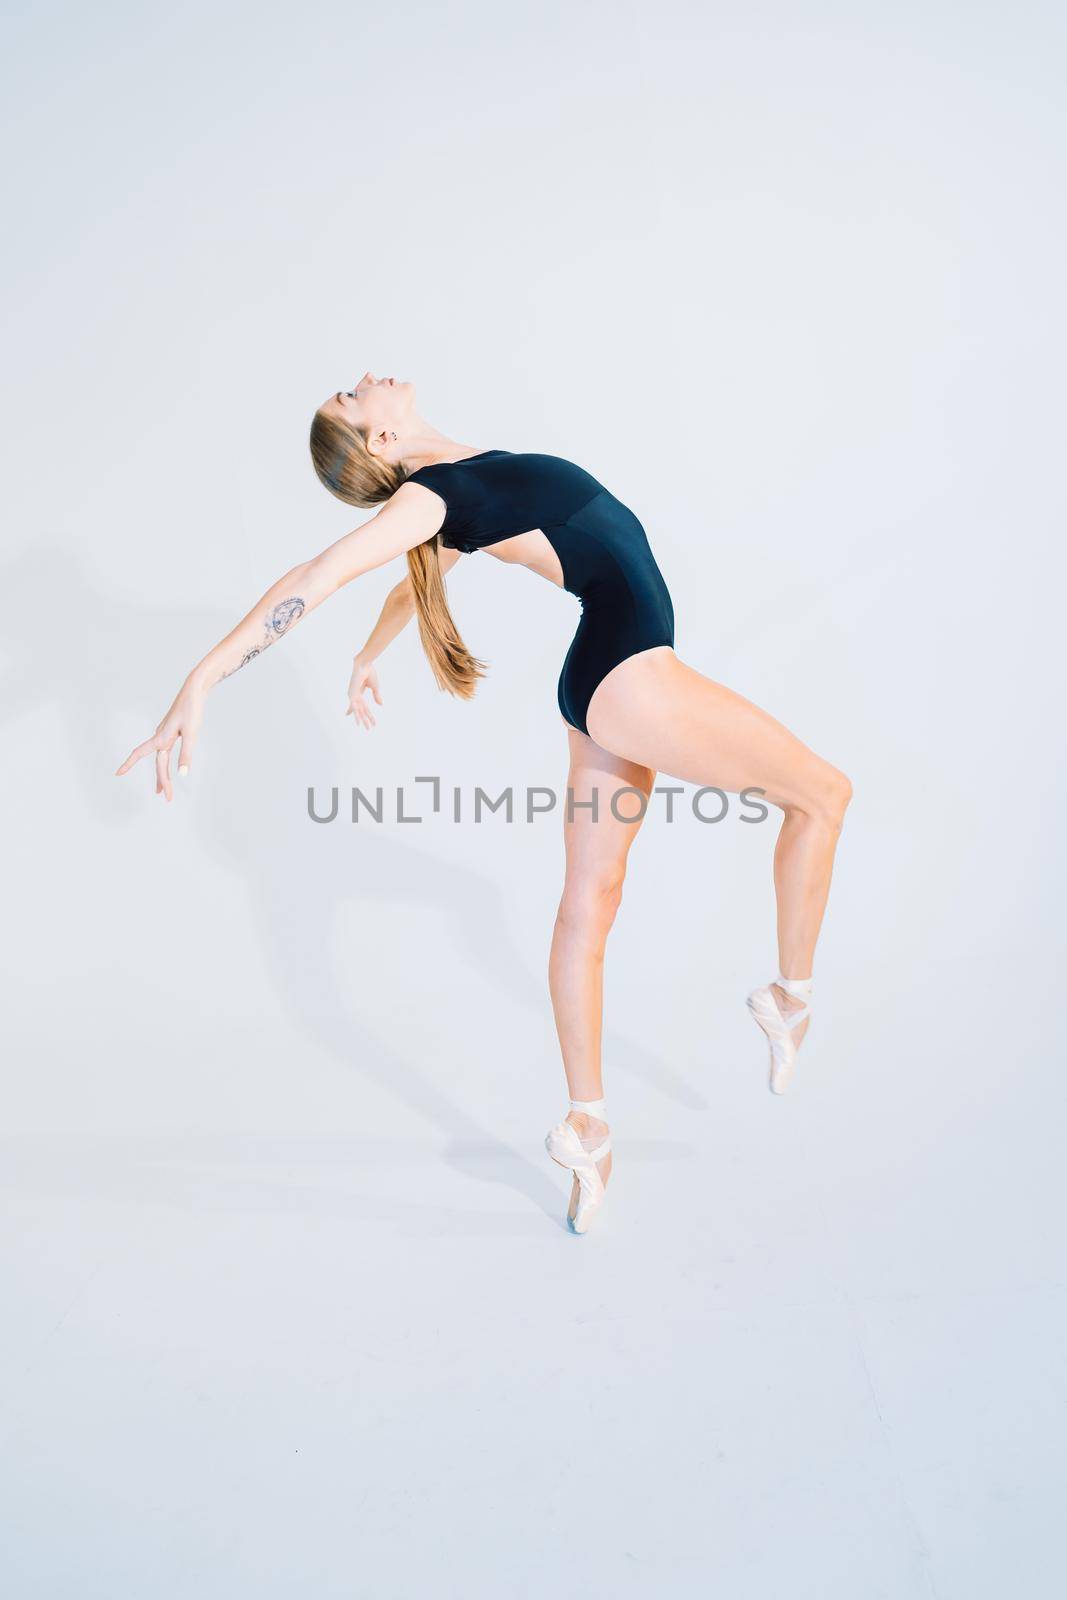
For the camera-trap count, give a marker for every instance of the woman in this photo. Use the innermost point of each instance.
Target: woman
(631, 708)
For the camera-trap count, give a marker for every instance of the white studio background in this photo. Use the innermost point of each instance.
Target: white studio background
(288, 1309)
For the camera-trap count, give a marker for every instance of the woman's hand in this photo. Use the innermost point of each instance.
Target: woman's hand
(182, 722)
(363, 678)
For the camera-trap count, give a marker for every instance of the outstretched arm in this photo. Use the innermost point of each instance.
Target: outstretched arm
(410, 517)
(396, 613)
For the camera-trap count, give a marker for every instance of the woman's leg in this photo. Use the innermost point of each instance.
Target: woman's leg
(596, 845)
(655, 710)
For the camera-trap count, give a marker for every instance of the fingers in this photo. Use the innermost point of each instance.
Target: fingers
(135, 756)
(162, 742)
(374, 690)
(185, 754)
(163, 783)
(359, 709)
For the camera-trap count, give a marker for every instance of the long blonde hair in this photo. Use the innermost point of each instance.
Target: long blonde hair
(349, 470)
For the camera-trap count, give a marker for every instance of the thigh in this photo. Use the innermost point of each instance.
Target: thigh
(654, 709)
(597, 842)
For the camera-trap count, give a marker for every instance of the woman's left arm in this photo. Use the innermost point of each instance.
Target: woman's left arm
(411, 516)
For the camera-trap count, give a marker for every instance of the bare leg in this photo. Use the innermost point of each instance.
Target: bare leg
(596, 847)
(655, 710)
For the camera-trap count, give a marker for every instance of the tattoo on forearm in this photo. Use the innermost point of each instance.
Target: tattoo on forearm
(279, 620)
(245, 659)
(285, 613)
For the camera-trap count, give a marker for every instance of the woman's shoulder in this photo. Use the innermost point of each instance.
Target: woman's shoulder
(542, 460)
(425, 474)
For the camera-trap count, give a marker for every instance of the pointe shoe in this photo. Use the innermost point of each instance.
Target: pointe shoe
(565, 1147)
(779, 1027)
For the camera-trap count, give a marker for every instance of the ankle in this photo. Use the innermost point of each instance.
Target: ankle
(588, 1115)
(787, 1003)
(792, 994)
(586, 1126)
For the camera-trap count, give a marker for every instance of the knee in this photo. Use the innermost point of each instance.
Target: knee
(835, 793)
(826, 796)
(590, 902)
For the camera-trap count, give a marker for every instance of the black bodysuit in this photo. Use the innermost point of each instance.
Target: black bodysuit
(602, 549)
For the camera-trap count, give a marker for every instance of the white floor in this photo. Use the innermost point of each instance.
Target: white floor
(807, 1351)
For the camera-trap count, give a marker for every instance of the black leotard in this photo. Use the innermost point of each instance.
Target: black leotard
(602, 549)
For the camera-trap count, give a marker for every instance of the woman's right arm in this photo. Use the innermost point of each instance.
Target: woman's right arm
(410, 517)
(396, 613)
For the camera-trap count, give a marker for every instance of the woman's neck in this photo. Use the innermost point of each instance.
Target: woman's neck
(427, 447)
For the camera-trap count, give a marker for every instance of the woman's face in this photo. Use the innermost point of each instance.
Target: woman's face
(376, 406)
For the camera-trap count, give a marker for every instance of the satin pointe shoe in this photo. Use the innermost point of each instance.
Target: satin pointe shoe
(566, 1147)
(779, 1027)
